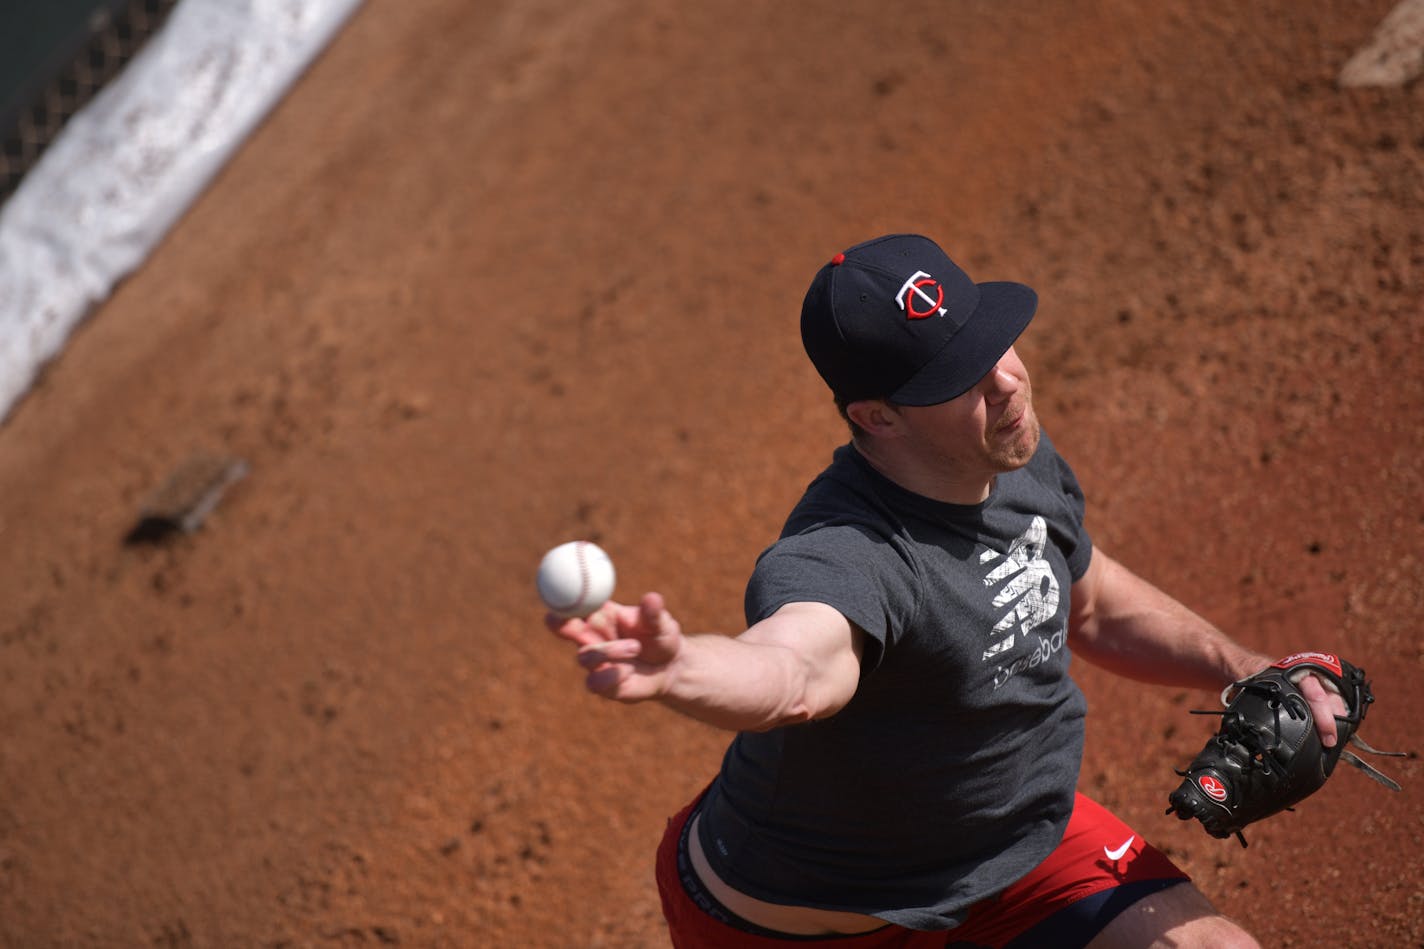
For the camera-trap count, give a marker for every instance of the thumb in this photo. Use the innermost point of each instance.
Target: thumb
(661, 633)
(648, 621)
(652, 610)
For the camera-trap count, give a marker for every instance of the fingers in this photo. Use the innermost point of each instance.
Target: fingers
(623, 648)
(1324, 705)
(608, 681)
(599, 626)
(604, 681)
(616, 650)
(574, 630)
(640, 621)
(577, 631)
(615, 673)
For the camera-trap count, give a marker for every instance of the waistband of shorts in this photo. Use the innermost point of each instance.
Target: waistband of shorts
(709, 904)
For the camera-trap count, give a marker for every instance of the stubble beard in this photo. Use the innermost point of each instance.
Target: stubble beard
(1015, 453)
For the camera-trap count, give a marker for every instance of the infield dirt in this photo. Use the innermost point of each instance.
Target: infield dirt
(502, 274)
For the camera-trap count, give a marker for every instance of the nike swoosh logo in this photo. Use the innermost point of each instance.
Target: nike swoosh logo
(1119, 852)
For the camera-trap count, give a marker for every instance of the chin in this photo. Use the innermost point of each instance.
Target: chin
(1017, 453)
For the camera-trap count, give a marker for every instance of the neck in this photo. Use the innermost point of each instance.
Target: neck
(925, 480)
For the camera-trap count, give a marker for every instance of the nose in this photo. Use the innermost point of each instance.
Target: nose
(1000, 383)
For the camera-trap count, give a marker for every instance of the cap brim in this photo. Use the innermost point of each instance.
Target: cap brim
(1004, 312)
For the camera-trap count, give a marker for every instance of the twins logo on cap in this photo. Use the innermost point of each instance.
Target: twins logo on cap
(895, 318)
(916, 290)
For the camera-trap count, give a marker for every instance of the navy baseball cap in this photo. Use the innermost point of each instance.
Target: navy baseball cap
(894, 318)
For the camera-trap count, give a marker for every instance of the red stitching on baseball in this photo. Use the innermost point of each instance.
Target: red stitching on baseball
(584, 578)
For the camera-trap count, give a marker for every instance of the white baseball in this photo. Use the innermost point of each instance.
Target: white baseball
(575, 578)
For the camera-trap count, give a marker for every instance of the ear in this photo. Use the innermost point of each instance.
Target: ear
(875, 416)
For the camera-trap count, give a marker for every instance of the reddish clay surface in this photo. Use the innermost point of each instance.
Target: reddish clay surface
(501, 274)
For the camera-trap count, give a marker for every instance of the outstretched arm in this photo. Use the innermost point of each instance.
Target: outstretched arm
(799, 664)
(1126, 625)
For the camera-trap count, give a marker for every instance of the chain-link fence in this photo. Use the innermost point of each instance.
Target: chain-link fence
(114, 39)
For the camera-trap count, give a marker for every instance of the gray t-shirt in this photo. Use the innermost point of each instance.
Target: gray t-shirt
(951, 772)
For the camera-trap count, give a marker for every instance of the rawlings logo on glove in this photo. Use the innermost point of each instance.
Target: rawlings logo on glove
(1267, 754)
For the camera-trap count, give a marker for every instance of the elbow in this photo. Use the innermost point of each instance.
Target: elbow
(797, 714)
(1083, 632)
(802, 705)
(810, 705)
(802, 690)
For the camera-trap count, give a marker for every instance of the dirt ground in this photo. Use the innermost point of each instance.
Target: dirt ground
(502, 273)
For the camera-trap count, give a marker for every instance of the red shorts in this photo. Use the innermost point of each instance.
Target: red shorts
(1097, 855)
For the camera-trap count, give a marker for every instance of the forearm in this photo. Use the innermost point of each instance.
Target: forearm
(1136, 630)
(738, 685)
(800, 663)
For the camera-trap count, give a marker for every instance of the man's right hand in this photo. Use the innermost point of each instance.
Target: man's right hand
(625, 648)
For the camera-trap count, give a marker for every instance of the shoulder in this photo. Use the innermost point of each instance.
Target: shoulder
(1046, 456)
(866, 572)
(1047, 486)
(843, 505)
(1051, 470)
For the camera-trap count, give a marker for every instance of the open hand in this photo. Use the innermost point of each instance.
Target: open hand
(627, 649)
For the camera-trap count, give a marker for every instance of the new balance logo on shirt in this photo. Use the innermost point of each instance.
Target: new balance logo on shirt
(1027, 587)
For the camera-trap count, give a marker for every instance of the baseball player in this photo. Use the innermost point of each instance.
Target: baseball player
(908, 737)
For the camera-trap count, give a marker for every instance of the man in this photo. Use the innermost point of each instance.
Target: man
(909, 738)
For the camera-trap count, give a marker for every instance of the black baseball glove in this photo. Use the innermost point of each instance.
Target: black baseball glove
(1267, 754)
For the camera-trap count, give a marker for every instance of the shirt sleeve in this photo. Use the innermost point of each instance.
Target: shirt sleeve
(847, 567)
(1073, 535)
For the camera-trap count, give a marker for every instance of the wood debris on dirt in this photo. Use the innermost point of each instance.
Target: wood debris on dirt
(186, 497)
